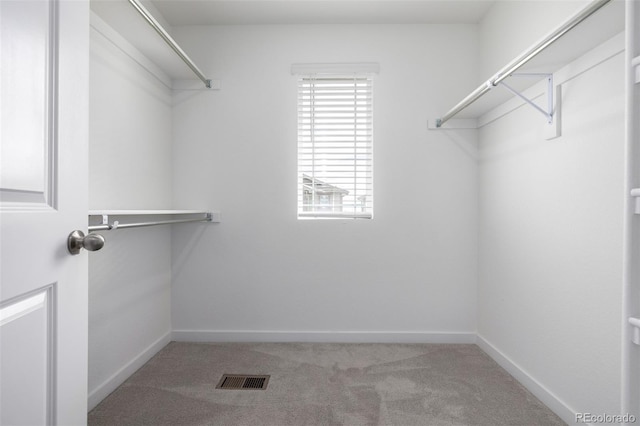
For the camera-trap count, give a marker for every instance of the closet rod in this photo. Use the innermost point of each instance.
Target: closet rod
(521, 60)
(115, 225)
(170, 41)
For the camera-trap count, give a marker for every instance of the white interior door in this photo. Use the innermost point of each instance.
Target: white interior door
(631, 351)
(43, 197)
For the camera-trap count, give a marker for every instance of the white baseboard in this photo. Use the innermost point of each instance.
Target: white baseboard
(103, 390)
(323, 336)
(542, 393)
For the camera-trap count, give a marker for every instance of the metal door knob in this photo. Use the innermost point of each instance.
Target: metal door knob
(78, 241)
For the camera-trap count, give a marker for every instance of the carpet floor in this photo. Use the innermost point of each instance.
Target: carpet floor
(323, 384)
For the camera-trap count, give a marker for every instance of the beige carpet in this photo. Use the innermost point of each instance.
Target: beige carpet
(323, 384)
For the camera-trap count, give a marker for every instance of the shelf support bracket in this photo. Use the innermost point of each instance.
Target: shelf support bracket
(548, 113)
(635, 335)
(105, 221)
(635, 64)
(635, 193)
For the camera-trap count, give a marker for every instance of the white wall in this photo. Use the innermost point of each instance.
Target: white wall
(129, 168)
(549, 296)
(409, 272)
(547, 212)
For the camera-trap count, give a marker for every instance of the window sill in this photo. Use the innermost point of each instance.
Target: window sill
(334, 215)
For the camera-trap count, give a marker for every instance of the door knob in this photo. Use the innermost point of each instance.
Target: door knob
(77, 241)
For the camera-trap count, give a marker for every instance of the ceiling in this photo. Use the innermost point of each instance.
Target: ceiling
(244, 12)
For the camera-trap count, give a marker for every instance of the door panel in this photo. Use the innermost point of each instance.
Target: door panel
(27, 356)
(28, 41)
(43, 197)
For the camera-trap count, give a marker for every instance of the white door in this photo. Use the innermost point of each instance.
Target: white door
(631, 355)
(43, 197)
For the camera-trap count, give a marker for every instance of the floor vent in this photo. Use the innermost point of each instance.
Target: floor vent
(243, 382)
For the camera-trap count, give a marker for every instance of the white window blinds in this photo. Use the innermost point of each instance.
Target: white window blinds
(335, 146)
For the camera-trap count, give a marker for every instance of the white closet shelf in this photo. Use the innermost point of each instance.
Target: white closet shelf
(147, 212)
(569, 41)
(123, 24)
(108, 225)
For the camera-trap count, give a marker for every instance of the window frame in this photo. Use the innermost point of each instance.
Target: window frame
(361, 162)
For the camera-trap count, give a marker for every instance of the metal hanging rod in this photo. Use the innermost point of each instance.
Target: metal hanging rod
(170, 41)
(106, 226)
(521, 60)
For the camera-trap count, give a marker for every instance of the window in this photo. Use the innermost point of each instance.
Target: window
(335, 146)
